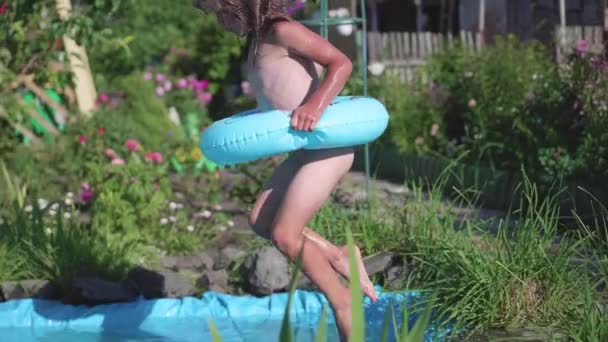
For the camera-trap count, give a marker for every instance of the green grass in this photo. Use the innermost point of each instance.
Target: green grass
(58, 249)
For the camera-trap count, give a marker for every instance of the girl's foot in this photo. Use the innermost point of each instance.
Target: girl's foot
(342, 266)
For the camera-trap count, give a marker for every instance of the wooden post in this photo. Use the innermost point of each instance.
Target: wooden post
(418, 15)
(562, 30)
(605, 35)
(79, 64)
(482, 24)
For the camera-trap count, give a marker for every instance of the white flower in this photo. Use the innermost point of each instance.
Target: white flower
(217, 207)
(68, 201)
(48, 230)
(172, 205)
(230, 223)
(67, 215)
(52, 212)
(376, 68)
(164, 221)
(28, 209)
(42, 203)
(434, 129)
(206, 214)
(190, 228)
(69, 195)
(172, 219)
(54, 206)
(179, 206)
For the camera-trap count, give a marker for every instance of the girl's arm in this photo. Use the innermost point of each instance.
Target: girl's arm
(299, 39)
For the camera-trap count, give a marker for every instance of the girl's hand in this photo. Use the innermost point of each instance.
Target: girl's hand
(304, 118)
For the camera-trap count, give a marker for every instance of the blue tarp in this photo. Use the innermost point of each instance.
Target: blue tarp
(238, 318)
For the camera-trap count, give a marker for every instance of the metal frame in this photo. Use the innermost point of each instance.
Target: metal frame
(361, 40)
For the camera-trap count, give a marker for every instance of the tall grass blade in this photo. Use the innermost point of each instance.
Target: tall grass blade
(286, 330)
(405, 324)
(385, 323)
(422, 323)
(215, 335)
(322, 327)
(357, 329)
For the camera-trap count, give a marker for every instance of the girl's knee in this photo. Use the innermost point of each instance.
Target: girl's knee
(288, 243)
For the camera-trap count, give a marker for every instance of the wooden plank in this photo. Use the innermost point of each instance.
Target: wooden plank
(34, 114)
(415, 50)
(60, 110)
(463, 38)
(598, 39)
(393, 43)
(21, 129)
(384, 39)
(450, 40)
(588, 33)
(406, 44)
(428, 37)
(435, 38)
(400, 51)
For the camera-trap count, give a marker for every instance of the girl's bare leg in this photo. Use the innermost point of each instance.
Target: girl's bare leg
(306, 193)
(267, 205)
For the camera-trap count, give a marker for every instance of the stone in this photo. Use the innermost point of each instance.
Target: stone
(396, 277)
(98, 290)
(160, 284)
(378, 263)
(266, 271)
(198, 262)
(31, 288)
(227, 255)
(214, 281)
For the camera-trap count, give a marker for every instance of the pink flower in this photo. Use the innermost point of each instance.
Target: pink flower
(154, 157)
(132, 145)
(582, 46)
(111, 154)
(85, 186)
(3, 7)
(105, 98)
(205, 97)
(160, 91)
(168, 85)
(148, 76)
(160, 77)
(246, 87)
(199, 85)
(87, 196)
(182, 83)
(82, 139)
(118, 161)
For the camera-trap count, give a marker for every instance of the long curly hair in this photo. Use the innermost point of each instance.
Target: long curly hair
(257, 15)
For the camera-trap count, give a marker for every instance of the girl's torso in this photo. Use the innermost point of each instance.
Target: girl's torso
(280, 78)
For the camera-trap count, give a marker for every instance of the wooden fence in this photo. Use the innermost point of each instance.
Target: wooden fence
(566, 41)
(404, 52)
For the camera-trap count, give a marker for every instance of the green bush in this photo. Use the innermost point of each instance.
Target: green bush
(155, 28)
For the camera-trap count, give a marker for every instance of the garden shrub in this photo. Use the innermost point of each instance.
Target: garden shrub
(154, 29)
(507, 106)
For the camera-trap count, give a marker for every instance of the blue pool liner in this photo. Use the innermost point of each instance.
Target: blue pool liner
(237, 318)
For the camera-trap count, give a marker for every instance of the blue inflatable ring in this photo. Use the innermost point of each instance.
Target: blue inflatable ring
(255, 134)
